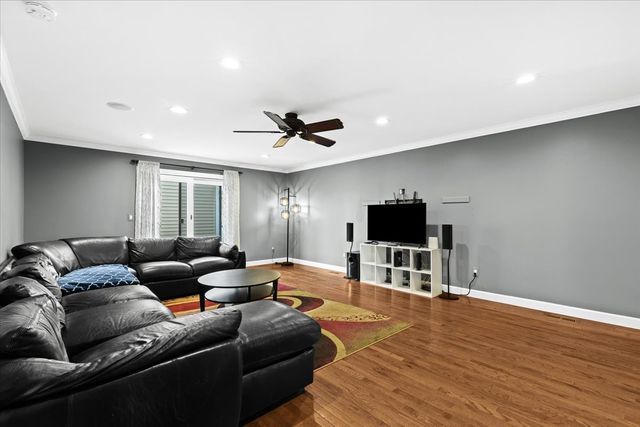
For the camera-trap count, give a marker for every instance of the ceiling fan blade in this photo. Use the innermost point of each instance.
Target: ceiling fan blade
(318, 139)
(257, 131)
(282, 125)
(281, 142)
(324, 126)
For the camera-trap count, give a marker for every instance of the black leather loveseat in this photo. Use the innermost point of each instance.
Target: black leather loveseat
(169, 267)
(118, 357)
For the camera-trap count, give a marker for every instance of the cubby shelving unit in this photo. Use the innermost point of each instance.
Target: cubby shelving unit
(377, 268)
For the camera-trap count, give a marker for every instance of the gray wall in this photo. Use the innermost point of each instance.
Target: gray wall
(554, 213)
(73, 191)
(11, 180)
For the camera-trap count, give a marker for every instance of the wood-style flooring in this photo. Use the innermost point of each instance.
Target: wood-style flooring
(467, 362)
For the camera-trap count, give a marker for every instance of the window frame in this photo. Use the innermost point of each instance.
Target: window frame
(190, 179)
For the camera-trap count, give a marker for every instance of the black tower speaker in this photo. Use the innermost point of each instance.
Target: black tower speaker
(447, 236)
(349, 232)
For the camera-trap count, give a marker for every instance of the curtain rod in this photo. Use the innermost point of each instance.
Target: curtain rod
(135, 162)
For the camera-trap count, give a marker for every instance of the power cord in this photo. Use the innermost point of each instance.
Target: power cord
(475, 276)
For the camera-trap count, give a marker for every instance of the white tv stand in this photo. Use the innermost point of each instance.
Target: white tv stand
(376, 268)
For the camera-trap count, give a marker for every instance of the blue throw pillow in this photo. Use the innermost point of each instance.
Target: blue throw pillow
(96, 277)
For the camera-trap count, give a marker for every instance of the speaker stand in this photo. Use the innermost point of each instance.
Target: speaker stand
(285, 263)
(448, 295)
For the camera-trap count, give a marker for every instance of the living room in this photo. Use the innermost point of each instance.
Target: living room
(319, 213)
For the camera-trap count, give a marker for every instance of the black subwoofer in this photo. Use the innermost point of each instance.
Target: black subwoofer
(353, 266)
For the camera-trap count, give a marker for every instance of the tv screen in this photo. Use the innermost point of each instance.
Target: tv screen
(404, 223)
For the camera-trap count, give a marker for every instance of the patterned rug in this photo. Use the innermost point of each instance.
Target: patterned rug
(346, 329)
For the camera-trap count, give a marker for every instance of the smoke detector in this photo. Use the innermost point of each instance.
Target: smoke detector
(40, 10)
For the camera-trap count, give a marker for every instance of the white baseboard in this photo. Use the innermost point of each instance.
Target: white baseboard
(264, 261)
(320, 265)
(550, 307)
(298, 261)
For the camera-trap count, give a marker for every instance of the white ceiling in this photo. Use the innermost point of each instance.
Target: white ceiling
(440, 71)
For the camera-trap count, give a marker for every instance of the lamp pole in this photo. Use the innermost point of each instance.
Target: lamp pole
(287, 214)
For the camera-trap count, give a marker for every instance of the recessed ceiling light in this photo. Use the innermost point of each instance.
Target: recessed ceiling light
(178, 109)
(146, 135)
(525, 78)
(119, 106)
(264, 156)
(230, 63)
(382, 121)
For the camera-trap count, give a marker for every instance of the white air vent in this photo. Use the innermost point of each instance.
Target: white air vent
(40, 10)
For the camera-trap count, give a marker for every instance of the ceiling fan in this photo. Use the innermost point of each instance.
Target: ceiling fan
(291, 126)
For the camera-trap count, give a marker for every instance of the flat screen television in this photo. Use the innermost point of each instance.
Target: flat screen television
(402, 223)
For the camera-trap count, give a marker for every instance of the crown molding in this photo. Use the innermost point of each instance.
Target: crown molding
(150, 153)
(11, 91)
(505, 127)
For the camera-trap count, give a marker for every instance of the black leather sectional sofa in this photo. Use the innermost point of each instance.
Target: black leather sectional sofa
(118, 357)
(169, 267)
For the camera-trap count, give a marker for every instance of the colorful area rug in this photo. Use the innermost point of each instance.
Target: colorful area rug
(346, 329)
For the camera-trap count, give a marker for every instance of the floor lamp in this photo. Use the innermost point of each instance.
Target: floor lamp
(289, 208)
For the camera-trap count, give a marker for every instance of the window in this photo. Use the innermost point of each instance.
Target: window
(190, 204)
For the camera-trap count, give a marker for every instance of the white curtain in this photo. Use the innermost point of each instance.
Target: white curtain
(147, 200)
(231, 208)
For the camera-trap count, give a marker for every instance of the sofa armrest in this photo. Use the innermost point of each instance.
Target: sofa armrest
(241, 262)
(200, 388)
(232, 253)
(36, 378)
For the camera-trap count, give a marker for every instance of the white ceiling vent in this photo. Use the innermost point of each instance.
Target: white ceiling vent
(40, 10)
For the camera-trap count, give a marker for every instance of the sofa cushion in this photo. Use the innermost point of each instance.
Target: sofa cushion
(86, 328)
(163, 270)
(38, 273)
(195, 247)
(30, 328)
(58, 251)
(40, 259)
(147, 250)
(97, 277)
(100, 250)
(271, 331)
(209, 264)
(195, 331)
(19, 287)
(98, 297)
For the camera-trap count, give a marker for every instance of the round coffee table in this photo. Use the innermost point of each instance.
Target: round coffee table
(238, 286)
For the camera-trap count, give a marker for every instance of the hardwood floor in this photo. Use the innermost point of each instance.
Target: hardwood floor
(467, 362)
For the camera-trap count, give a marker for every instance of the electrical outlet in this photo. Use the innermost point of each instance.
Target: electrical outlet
(475, 272)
